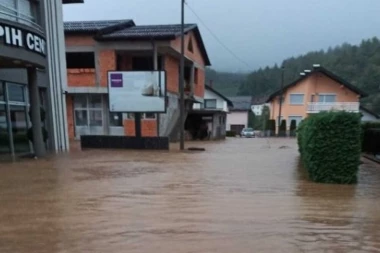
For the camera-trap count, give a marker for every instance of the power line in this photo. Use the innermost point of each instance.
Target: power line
(217, 38)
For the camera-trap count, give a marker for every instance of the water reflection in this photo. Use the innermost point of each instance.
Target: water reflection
(238, 196)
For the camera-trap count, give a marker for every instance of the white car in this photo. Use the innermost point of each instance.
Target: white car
(248, 132)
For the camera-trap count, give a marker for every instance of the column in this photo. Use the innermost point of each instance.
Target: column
(35, 108)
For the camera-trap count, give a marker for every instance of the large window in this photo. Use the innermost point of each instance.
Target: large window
(88, 110)
(210, 103)
(327, 98)
(22, 11)
(296, 99)
(84, 60)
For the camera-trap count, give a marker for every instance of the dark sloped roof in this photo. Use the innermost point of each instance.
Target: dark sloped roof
(95, 26)
(156, 32)
(377, 116)
(323, 71)
(148, 31)
(241, 103)
(229, 102)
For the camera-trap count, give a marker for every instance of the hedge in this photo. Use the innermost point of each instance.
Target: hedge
(293, 127)
(329, 144)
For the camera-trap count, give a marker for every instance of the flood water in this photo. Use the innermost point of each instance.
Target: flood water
(241, 195)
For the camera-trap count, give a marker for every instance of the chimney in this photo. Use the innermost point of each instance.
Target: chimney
(211, 83)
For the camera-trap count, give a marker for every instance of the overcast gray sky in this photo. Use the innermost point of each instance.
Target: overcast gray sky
(260, 32)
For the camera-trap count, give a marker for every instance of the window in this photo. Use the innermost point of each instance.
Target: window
(210, 103)
(16, 92)
(83, 60)
(298, 119)
(190, 46)
(116, 119)
(145, 63)
(22, 11)
(88, 110)
(2, 93)
(327, 98)
(296, 99)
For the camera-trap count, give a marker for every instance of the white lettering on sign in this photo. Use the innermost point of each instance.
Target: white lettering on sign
(13, 36)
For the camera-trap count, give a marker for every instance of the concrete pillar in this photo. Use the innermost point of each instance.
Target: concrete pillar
(35, 108)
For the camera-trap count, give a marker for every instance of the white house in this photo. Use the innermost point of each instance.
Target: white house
(368, 115)
(212, 113)
(237, 118)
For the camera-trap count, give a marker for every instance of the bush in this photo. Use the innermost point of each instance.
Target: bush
(282, 132)
(293, 127)
(271, 127)
(230, 133)
(329, 144)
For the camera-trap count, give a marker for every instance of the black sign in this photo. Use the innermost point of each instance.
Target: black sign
(17, 37)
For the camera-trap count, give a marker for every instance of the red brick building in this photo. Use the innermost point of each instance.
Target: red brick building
(95, 47)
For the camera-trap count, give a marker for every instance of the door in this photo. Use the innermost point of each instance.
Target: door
(88, 111)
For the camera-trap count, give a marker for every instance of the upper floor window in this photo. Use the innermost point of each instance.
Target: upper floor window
(80, 60)
(22, 11)
(296, 99)
(327, 98)
(210, 103)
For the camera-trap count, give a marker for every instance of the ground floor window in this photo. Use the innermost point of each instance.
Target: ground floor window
(148, 115)
(88, 110)
(14, 119)
(116, 119)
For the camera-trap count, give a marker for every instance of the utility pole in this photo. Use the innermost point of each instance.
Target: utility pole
(181, 81)
(280, 100)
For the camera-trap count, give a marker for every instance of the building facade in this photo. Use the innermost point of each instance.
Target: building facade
(95, 47)
(315, 91)
(28, 33)
(211, 114)
(237, 118)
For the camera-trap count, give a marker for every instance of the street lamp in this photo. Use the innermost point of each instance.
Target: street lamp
(281, 99)
(181, 81)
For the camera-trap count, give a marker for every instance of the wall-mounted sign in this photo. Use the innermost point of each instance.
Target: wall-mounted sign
(14, 36)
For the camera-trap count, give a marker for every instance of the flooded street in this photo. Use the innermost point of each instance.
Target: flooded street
(241, 195)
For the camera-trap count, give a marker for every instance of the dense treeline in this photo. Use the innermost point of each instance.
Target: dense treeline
(360, 65)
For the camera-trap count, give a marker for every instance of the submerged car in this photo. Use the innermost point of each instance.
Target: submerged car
(247, 132)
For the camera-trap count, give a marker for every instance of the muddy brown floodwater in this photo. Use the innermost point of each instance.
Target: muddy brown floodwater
(241, 195)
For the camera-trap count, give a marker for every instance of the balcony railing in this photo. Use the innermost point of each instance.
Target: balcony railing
(342, 106)
(22, 14)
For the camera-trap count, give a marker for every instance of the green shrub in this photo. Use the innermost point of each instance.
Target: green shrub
(329, 145)
(271, 127)
(293, 127)
(282, 132)
(230, 133)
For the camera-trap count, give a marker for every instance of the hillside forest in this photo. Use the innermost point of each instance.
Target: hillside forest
(358, 64)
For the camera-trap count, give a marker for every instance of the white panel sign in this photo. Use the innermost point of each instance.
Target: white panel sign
(137, 91)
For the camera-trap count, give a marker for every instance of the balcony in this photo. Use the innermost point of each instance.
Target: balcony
(343, 106)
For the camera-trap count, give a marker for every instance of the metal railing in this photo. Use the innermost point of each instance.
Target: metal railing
(337, 106)
(11, 14)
